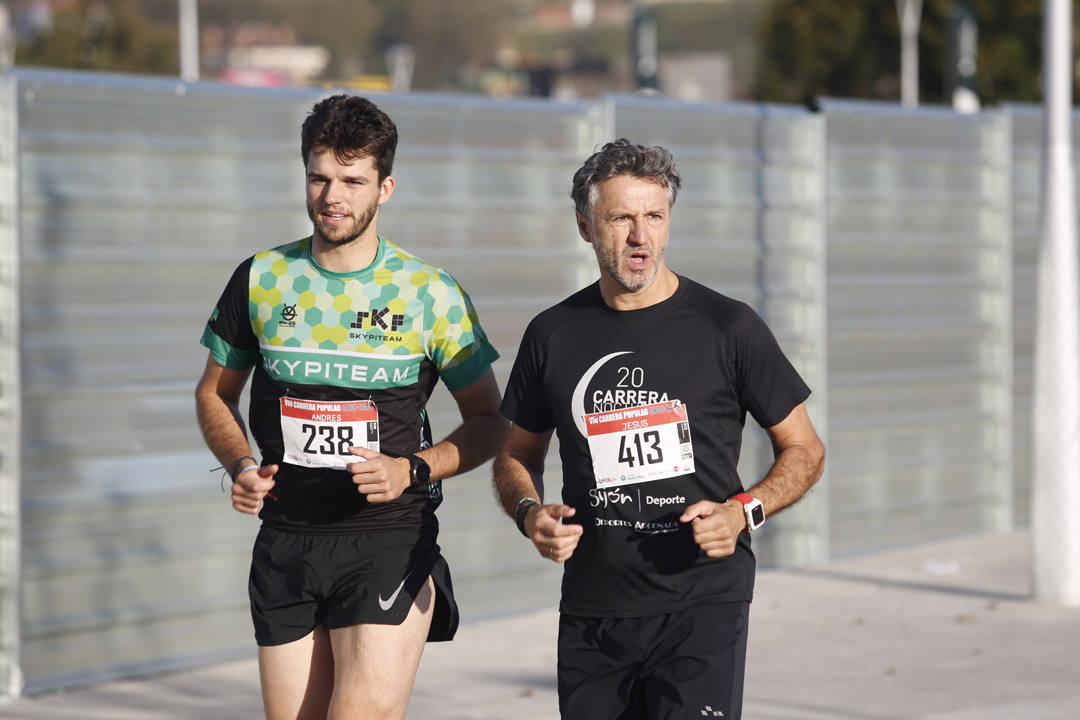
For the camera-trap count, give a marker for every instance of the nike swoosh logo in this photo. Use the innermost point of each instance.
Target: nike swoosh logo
(388, 603)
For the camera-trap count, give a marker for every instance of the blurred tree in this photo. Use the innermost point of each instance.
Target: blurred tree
(97, 35)
(445, 36)
(812, 48)
(821, 48)
(1009, 62)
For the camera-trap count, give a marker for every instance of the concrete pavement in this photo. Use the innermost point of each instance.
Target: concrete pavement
(943, 631)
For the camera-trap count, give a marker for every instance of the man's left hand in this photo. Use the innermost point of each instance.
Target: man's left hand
(716, 525)
(380, 477)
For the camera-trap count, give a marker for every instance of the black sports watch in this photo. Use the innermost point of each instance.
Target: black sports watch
(421, 471)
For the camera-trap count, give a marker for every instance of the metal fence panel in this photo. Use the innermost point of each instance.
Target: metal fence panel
(749, 223)
(10, 396)
(1027, 137)
(920, 342)
(1027, 151)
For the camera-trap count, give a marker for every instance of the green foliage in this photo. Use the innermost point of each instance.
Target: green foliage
(823, 48)
(444, 35)
(812, 48)
(114, 36)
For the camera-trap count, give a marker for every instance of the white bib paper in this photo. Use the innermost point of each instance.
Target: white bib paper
(640, 444)
(319, 434)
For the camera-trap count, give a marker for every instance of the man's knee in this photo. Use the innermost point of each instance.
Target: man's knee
(352, 703)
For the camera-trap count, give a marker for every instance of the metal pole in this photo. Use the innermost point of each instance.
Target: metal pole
(189, 40)
(909, 12)
(644, 48)
(1055, 504)
(962, 58)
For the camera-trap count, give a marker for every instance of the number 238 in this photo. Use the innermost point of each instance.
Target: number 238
(332, 443)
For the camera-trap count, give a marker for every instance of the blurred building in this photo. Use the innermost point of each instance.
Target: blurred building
(260, 53)
(573, 49)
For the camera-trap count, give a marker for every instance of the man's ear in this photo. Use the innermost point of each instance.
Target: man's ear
(386, 189)
(583, 227)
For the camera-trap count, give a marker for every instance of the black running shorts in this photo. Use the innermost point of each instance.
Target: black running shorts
(301, 581)
(679, 665)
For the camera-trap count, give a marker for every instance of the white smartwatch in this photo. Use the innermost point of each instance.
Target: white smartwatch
(753, 509)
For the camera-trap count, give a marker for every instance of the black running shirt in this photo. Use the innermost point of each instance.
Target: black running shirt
(649, 407)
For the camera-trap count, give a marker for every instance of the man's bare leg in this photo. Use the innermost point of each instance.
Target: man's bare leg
(375, 665)
(297, 678)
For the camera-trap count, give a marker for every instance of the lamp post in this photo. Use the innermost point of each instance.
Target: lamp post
(910, 12)
(1055, 502)
(189, 40)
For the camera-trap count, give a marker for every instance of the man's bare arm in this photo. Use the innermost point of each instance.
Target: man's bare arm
(217, 405)
(383, 478)
(477, 438)
(519, 468)
(519, 474)
(799, 462)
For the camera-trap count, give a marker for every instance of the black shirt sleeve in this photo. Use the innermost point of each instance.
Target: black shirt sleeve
(525, 402)
(228, 333)
(767, 384)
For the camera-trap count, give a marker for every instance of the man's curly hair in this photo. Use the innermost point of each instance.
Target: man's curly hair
(622, 157)
(352, 127)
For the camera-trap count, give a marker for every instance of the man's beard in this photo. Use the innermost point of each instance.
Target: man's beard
(630, 281)
(345, 234)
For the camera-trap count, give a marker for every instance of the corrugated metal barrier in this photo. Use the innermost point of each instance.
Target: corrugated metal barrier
(920, 341)
(10, 398)
(877, 243)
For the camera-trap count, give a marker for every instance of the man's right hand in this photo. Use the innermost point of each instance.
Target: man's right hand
(251, 486)
(552, 538)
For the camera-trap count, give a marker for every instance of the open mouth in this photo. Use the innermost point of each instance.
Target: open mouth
(638, 260)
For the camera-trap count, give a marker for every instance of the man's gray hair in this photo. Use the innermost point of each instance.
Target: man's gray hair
(623, 157)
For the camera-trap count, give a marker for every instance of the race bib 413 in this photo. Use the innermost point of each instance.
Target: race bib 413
(640, 444)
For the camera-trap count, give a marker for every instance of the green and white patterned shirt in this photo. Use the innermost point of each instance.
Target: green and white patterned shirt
(329, 341)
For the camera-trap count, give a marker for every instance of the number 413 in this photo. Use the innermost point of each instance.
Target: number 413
(638, 452)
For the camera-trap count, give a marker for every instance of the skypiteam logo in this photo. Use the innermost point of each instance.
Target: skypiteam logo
(376, 318)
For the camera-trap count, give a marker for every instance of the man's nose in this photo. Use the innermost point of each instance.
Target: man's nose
(638, 231)
(330, 192)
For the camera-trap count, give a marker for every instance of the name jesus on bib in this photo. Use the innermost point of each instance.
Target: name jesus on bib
(319, 433)
(640, 444)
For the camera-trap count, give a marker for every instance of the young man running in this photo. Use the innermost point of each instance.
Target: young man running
(347, 335)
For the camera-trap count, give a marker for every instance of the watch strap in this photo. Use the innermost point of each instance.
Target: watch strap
(753, 509)
(419, 470)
